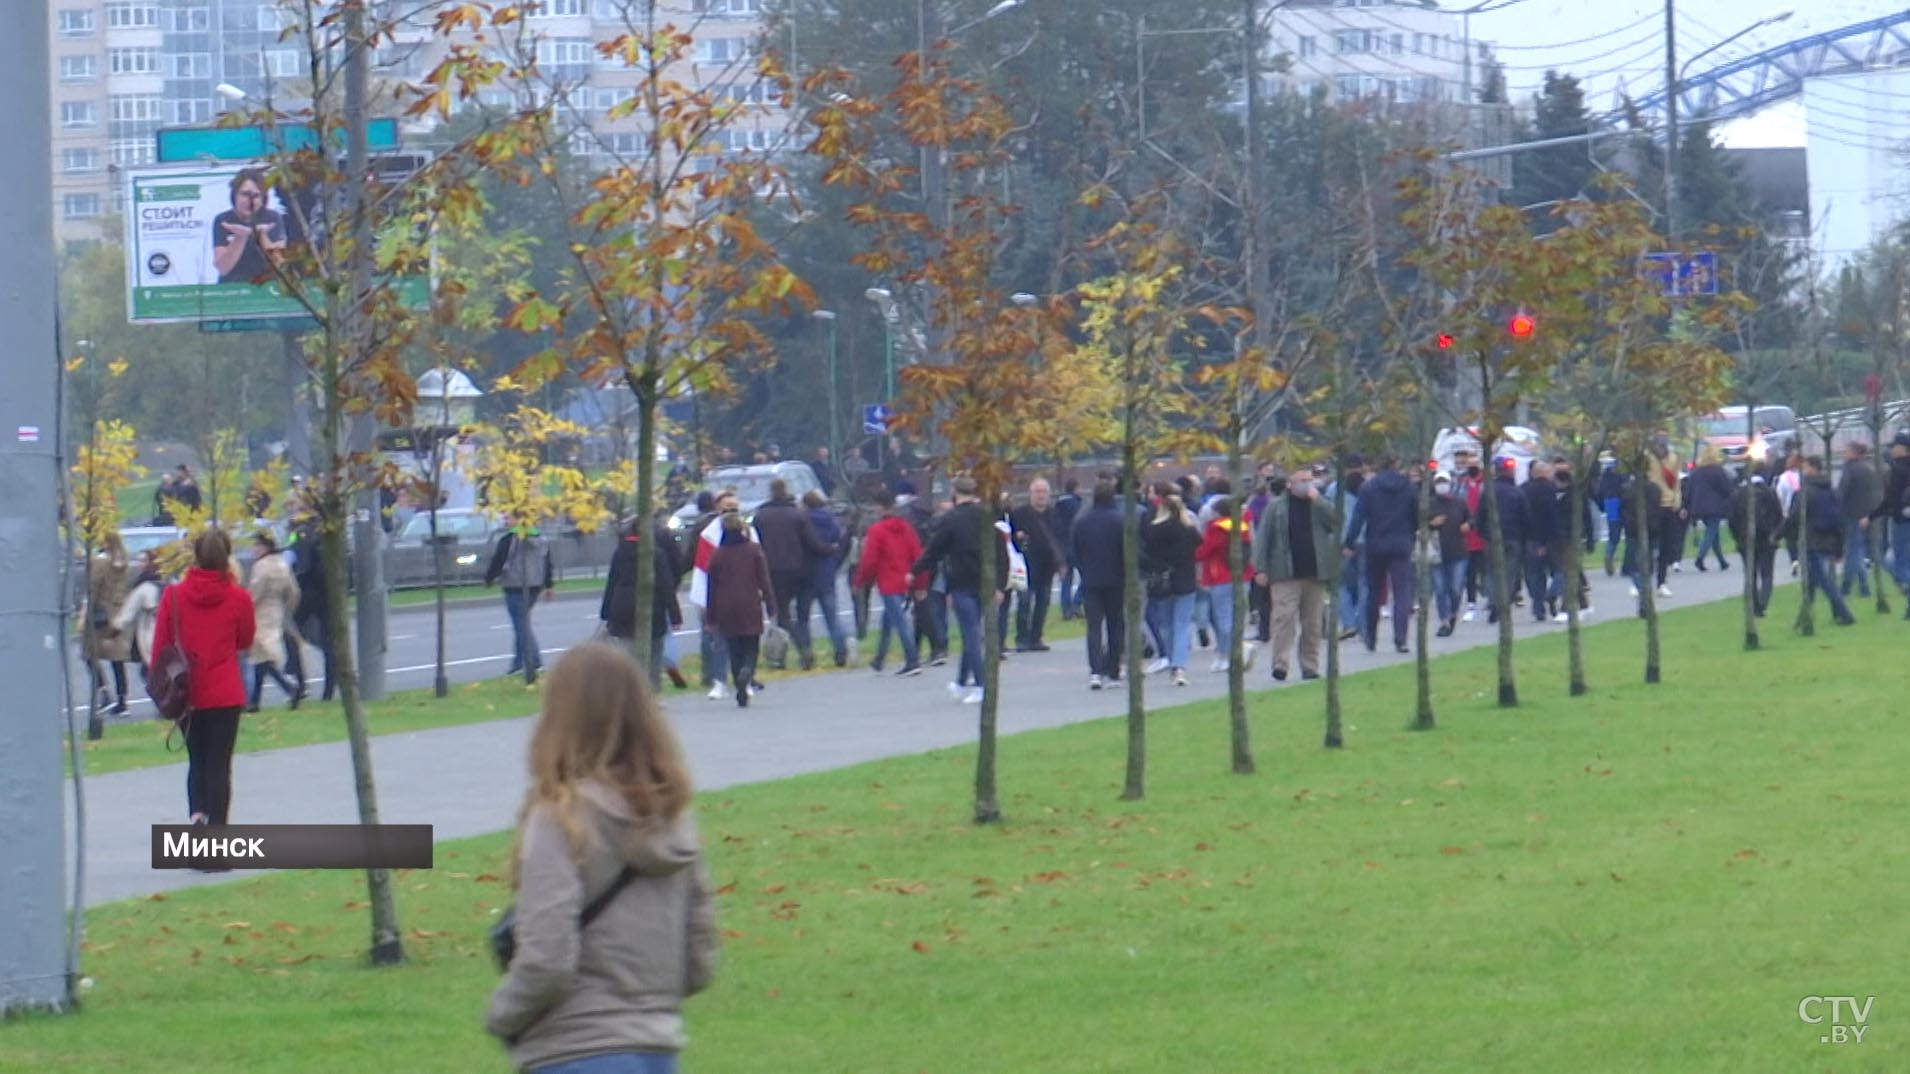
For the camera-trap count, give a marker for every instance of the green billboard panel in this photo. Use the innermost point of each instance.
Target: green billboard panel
(178, 145)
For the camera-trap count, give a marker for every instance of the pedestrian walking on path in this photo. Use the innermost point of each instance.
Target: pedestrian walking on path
(741, 597)
(522, 563)
(1293, 556)
(210, 617)
(615, 922)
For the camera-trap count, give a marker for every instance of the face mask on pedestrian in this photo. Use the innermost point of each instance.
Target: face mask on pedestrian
(1300, 486)
(1442, 486)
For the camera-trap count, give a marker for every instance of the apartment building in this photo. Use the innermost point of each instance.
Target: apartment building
(1392, 51)
(123, 69)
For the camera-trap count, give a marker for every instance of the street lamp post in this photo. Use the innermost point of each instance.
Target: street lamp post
(828, 319)
(885, 305)
(1674, 83)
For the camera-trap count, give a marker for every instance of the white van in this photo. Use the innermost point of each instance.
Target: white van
(1518, 443)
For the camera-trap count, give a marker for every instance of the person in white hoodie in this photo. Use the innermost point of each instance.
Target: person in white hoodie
(607, 817)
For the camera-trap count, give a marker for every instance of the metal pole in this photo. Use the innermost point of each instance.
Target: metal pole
(368, 556)
(35, 973)
(1140, 77)
(888, 357)
(1671, 123)
(835, 406)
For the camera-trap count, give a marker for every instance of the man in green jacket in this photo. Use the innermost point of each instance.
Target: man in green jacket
(1296, 556)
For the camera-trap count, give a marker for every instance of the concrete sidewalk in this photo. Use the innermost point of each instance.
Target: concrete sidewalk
(468, 780)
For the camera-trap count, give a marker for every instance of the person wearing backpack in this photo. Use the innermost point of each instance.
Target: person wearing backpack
(209, 617)
(615, 922)
(522, 562)
(1817, 505)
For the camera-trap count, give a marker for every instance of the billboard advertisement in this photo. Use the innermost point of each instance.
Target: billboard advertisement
(209, 242)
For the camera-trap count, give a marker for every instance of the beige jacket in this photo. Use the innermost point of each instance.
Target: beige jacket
(274, 600)
(619, 984)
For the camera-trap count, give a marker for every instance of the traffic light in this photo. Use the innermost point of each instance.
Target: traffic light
(1443, 341)
(1522, 325)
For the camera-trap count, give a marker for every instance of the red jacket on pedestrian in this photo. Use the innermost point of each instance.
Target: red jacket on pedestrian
(1212, 553)
(889, 549)
(1475, 542)
(215, 626)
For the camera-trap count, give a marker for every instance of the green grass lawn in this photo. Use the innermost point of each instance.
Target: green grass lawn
(1642, 880)
(144, 744)
(412, 598)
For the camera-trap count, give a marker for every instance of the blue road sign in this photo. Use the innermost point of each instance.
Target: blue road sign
(875, 419)
(1682, 274)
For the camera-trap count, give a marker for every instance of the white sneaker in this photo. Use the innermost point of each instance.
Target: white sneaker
(1158, 666)
(974, 697)
(718, 692)
(1561, 618)
(756, 689)
(955, 690)
(1218, 665)
(1471, 614)
(1386, 613)
(1664, 591)
(1585, 612)
(1094, 682)
(1180, 677)
(1634, 588)
(1677, 568)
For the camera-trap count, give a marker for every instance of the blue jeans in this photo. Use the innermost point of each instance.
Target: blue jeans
(1823, 575)
(1712, 541)
(1856, 558)
(896, 620)
(616, 1063)
(1220, 605)
(1900, 551)
(1172, 620)
(824, 596)
(524, 655)
(968, 619)
(1352, 598)
(1538, 579)
(716, 655)
(1449, 587)
(1070, 600)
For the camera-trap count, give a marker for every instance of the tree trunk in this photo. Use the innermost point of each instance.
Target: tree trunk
(440, 685)
(387, 943)
(987, 801)
(1574, 568)
(1501, 596)
(1238, 730)
(1335, 736)
(1748, 553)
(1647, 573)
(1422, 593)
(1135, 787)
(643, 387)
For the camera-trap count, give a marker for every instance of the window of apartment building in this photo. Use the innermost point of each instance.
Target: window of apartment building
(564, 51)
(79, 206)
(614, 10)
(78, 114)
(722, 49)
(78, 160)
(1346, 41)
(753, 93)
(131, 14)
(271, 18)
(738, 141)
(560, 9)
(1397, 43)
(192, 65)
(192, 110)
(77, 68)
(607, 99)
(1306, 46)
(1346, 87)
(132, 61)
(728, 8)
(75, 22)
(135, 107)
(285, 62)
(130, 151)
(196, 19)
(402, 61)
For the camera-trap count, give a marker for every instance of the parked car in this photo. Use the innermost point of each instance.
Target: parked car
(752, 486)
(468, 536)
(1726, 431)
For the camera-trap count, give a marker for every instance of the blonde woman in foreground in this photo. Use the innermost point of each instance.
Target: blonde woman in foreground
(609, 804)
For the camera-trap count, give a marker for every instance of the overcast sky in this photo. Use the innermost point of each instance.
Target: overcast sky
(1614, 43)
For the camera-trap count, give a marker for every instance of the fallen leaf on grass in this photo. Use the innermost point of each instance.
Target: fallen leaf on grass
(1452, 850)
(921, 948)
(237, 925)
(157, 896)
(774, 889)
(727, 889)
(1200, 847)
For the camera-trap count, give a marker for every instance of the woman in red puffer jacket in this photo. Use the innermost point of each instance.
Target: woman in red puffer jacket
(210, 616)
(1217, 577)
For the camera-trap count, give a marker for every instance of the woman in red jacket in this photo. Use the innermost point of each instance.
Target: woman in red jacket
(1217, 578)
(889, 549)
(210, 616)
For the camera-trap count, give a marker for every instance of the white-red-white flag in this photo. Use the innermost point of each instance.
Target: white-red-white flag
(706, 543)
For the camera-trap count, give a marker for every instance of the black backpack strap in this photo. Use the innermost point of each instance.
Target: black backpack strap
(596, 906)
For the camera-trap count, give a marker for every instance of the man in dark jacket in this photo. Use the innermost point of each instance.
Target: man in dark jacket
(957, 548)
(1541, 570)
(522, 563)
(1387, 518)
(1510, 503)
(618, 609)
(1066, 509)
(1035, 528)
(1896, 510)
(314, 618)
(793, 548)
(930, 599)
(1755, 504)
(1610, 494)
(1708, 494)
(1567, 499)
(1096, 548)
(1818, 520)
(821, 590)
(1860, 492)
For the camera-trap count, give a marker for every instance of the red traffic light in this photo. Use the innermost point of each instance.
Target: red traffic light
(1443, 341)
(1522, 326)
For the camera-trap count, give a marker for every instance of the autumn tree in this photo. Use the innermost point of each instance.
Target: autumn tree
(982, 380)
